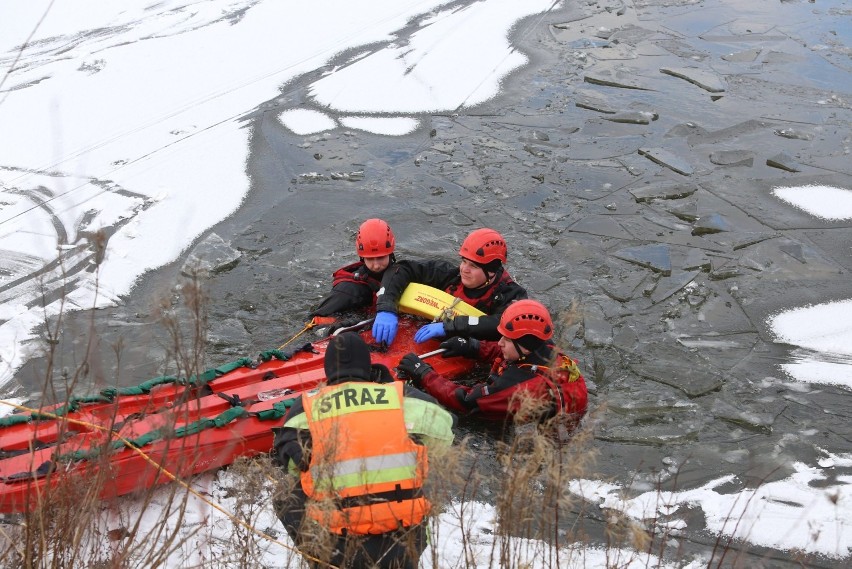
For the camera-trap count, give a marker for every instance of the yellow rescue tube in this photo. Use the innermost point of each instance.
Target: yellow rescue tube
(429, 302)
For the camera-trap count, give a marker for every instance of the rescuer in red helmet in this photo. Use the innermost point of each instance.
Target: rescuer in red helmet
(355, 285)
(524, 361)
(480, 279)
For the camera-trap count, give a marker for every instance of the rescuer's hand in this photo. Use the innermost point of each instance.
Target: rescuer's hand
(458, 346)
(413, 367)
(384, 327)
(429, 331)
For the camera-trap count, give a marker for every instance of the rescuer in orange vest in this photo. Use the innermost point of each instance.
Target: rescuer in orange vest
(525, 361)
(355, 285)
(360, 450)
(479, 279)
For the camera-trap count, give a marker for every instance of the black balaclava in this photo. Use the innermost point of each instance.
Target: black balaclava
(347, 357)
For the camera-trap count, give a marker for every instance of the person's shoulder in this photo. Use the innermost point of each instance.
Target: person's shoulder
(512, 290)
(544, 355)
(412, 392)
(414, 263)
(506, 279)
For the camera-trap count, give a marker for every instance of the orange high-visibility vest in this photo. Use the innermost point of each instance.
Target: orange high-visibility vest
(363, 460)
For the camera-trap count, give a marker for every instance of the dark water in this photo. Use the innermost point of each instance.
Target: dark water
(684, 372)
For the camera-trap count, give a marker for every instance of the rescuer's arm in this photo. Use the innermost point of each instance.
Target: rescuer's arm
(427, 421)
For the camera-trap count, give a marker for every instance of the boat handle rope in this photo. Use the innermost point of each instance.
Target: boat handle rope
(447, 312)
(308, 325)
(173, 478)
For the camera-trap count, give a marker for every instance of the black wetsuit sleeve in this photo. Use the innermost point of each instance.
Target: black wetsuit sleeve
(479, 327)
(291, 443)
(436, 274)
(344, 296)
(485, 327)
(506, 295)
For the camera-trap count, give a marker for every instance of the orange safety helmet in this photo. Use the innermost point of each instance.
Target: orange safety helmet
(484, 246)
(526, 318)
(375, 239)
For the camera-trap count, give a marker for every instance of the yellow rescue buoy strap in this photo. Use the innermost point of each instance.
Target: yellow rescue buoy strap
(314, 322)
(447, 313)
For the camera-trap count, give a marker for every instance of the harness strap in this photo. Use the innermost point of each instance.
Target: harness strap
(556, 390)
(397, 495)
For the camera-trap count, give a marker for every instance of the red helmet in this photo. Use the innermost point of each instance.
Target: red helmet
(375, 239)
(526, 318)
(483, 246)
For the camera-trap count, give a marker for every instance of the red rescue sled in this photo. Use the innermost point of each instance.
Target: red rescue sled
(181, 427)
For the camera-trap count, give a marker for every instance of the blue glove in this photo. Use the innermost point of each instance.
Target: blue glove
(384, 327)
(429, 331)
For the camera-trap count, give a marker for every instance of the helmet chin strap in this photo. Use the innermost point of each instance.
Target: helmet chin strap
(522, 352)
(489, 278)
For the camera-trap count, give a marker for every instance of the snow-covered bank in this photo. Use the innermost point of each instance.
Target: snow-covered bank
(461, 536)
(790, 514)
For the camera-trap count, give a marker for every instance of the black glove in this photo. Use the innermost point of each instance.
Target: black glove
(458, 326)
(414, 368)
(380, 373)
(458, 346)
(340, 323)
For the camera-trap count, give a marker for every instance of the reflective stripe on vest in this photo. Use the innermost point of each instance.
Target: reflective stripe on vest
(362, 455)
(371, 470)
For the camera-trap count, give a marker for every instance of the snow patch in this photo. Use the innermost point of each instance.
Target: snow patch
(826, 202)
(306, 121)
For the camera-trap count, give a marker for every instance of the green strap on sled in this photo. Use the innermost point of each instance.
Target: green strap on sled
(277, 354)
(19, 418)
(15, 419)
(211, 374)
(191, 429)
(109, 394)
(141, 389)
(277, 412)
